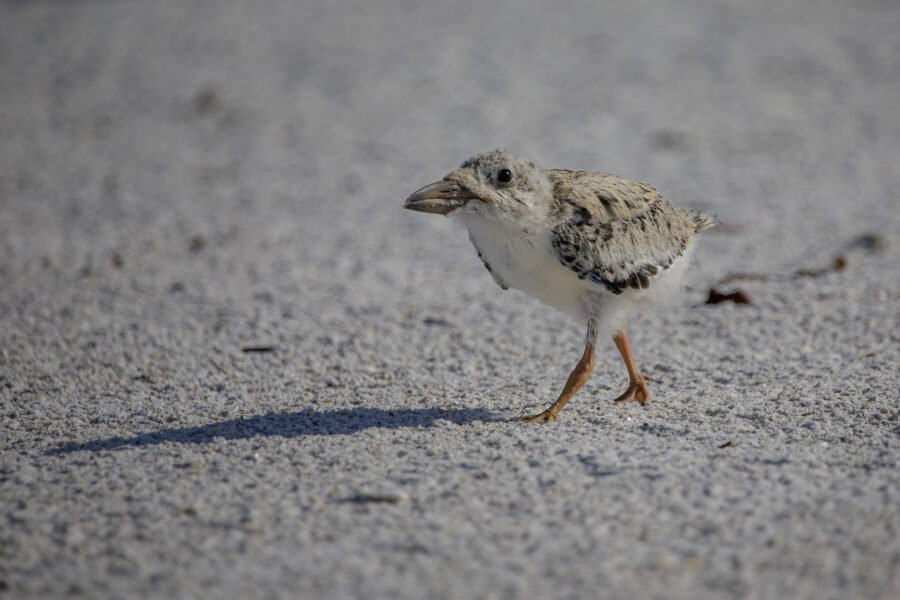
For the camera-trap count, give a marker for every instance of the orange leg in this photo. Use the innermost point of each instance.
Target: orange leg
(577, 378)
(637, 389)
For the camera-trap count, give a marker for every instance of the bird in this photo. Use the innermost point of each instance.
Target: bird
(596, 246)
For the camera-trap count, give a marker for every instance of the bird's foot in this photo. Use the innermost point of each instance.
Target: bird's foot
(541, 418)
(637, 392)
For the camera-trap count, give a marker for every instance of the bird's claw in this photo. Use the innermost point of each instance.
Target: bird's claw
(540, 418)
(637, 392)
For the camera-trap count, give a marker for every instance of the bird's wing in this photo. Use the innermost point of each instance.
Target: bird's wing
(616, 232)
(487, 265)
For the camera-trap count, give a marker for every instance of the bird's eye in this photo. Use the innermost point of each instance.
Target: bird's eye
(504, 175)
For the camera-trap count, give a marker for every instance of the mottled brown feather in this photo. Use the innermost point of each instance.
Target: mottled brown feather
(617, 232)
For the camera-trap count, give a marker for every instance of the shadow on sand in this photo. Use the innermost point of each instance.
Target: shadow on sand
(287, 424)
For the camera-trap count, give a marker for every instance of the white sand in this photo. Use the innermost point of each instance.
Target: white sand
(178, 183)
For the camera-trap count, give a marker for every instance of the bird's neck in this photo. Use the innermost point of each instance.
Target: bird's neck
(523, 227)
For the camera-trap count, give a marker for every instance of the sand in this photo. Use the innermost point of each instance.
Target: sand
(231, 365)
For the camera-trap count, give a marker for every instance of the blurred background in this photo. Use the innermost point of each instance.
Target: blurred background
(135, 123)
(200, 222)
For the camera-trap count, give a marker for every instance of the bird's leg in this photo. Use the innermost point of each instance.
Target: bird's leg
(637, 387)
(577, 378)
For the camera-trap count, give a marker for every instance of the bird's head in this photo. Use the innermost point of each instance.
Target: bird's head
(494, 185)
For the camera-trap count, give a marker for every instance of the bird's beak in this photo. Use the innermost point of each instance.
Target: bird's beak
(441, 197)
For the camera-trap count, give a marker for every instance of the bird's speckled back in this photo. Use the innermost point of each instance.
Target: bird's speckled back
(617, 232)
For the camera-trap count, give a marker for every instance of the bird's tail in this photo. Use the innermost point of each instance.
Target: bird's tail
(703, 221)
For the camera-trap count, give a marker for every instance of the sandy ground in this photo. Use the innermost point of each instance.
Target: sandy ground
(231, 366)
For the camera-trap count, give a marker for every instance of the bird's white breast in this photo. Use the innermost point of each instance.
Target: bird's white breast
(525, 260)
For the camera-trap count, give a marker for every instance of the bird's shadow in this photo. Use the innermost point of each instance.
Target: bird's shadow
(285, 424)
